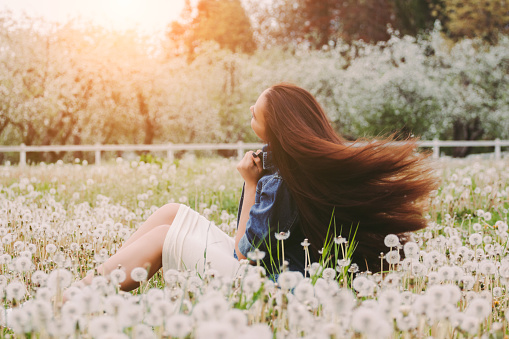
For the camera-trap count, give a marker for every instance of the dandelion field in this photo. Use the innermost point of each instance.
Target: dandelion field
(58, 221)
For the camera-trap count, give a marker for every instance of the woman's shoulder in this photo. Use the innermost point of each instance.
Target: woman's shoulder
(269, 181)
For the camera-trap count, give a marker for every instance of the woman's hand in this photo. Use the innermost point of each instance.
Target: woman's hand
(250, 168)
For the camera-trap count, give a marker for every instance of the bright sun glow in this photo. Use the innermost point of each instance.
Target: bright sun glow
(143, 15)
(124, 14)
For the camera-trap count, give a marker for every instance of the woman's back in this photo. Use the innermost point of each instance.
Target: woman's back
(373, 188)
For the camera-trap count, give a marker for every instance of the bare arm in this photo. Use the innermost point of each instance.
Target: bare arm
(251, 169)
(249, 199)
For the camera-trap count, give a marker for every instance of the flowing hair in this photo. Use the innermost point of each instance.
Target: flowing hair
(379, 186)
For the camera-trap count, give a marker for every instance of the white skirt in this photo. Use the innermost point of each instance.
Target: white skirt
(192, 241)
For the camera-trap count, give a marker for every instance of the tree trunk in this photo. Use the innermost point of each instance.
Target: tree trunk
(144, 111)
(466, 130)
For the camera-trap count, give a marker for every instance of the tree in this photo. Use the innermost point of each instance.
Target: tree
(484, 19)
(326, 22)
(414, 16)
(366, 20)
(222, 21)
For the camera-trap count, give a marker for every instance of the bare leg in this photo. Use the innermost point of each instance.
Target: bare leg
(143, 248)
(163, 216)
(145, 251)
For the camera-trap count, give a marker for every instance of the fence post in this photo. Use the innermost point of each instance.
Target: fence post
(498, 149)
(240, 150)
(23, 156)
(169, 152)
(97, 154)
(436, 149)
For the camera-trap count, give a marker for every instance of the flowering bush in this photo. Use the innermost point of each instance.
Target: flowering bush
(60, 220)
(75, 85)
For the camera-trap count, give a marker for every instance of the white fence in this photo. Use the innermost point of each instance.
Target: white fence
(239, 146)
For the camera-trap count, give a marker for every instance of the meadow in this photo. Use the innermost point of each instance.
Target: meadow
(58, 221)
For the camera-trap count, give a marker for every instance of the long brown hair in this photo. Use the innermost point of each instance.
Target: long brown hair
(377, 185)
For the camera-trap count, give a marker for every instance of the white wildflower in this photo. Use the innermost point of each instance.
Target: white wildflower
(256, 255)
(236, 319)
(391, 240)
(101, 325)
(130, 316)
(139, 274)
(304, 291)
(251, 283)
(411, 250)
(15, 290)
(287, 280)
(59, 278)
(328, 274)
(406, 322)
(51, 248)
(117, 276)
(19, 320)
(72, 309)
(476, 227)
(214, 330)
(392, 257)
(479, 308)
(487, 267)
(475, 239)
(282, 235)
(23, 264)
(179, 325)
(368, 322)
(470, 324)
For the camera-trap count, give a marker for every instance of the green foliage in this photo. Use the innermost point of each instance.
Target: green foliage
(148, 158)
(484, 19)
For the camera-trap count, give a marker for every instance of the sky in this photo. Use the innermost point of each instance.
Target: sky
(144, 15)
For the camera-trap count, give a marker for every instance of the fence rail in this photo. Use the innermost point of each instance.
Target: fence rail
(239, 146)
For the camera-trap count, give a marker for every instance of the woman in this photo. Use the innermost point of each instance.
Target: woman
(306, 182)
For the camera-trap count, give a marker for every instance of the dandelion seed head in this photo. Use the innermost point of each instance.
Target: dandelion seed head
(304, 291)
(469, 324)
(406, 322)
(391, 240)
(343, 263)
(51, 248)
(59, 278)
(256, 255)
(101, 325)
(328, 274)
(251, 283)
(365, 320)
(282, 235)
(287, 280)
(411, 250)
(72, 309)
(236, 318)
(214, 330)
(118, 276)
(44, 293)
(139, 274)
(478, 308)
(172, 276)
(19, 321)
(23, 264)
(393, 257)
(15, 290)
(130, 316)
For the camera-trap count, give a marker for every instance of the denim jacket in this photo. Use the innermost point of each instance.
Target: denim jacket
(274, 211)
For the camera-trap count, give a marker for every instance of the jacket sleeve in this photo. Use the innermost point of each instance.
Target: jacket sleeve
(257, 227)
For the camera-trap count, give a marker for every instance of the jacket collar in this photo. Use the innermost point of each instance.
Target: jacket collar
(267, 158)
